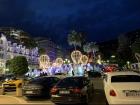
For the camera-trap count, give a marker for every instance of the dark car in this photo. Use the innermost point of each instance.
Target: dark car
(39, 86)
(72, 90)
(95, 74)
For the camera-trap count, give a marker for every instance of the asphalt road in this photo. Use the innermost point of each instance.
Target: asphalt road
(98, 97)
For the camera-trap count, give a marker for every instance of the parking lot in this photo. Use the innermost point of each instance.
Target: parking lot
(97, 99)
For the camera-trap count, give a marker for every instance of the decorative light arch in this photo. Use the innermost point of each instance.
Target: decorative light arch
(84, 59)
(44, 61)
(76, 56)
(59, 61)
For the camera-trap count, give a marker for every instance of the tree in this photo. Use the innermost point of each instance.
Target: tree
(91, 47)
(75, 39)
(18, 65)
(7, 63)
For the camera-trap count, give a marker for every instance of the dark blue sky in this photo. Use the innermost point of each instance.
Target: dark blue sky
(99, 19)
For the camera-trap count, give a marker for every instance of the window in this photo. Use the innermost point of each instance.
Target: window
(125, 78)
(72, 82)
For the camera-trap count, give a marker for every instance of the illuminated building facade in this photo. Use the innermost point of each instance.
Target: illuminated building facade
(9, 49)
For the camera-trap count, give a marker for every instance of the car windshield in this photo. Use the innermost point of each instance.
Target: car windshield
(71, 82)
(125, 78)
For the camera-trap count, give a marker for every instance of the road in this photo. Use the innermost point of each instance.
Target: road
(97, 99)
(98, 96)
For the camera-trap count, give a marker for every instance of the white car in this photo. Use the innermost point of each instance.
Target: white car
(122, 88)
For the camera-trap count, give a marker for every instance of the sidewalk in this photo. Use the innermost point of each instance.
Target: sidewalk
(6, 99)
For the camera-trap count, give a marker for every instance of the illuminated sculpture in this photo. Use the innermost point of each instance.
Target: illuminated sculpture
(84, 59)
(76, 56)
(99, 59)
(59, 62)
(10, 49)
(44, 61)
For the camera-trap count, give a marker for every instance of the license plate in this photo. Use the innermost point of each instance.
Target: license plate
(29, 92)
(64, 92)
(133, 94)
(6, 85)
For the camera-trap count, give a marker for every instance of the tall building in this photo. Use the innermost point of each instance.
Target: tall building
(13, 31)
(52, 49)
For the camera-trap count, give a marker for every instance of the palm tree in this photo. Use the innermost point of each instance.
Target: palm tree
(86, 48)
(91, 47)
(94, 47)
(75, 39)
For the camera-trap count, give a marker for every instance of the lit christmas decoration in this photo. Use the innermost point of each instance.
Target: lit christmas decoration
(59, 61)
(76, 56)
(99, 59)
(84, 59)
(44, 61)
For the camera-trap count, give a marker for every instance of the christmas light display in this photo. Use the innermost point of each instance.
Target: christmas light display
(84, 59)
(44, 61)
(76, 56)
(59, 62)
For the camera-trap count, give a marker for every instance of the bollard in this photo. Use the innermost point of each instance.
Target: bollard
(2, 88)
(19, 90)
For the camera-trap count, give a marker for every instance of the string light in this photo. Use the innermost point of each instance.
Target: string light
(59, 61)
(44, 61)
(76, 56)
(84, 59)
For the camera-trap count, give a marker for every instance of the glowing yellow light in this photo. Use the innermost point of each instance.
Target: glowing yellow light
(44, 61)
(99, 59)
(84, 59)
(59, 61)
(76, 56)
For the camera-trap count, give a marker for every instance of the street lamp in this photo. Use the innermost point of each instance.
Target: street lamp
(113, 56)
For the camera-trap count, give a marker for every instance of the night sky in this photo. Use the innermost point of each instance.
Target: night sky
(100, 19)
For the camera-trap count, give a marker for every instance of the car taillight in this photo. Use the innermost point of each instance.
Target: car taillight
(112, 93)
(54, 90)
(76, 90)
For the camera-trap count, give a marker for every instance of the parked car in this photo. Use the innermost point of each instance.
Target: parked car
(122, 88)
(39, 86)
(72, 90)
(95, 74)
(10, 84)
